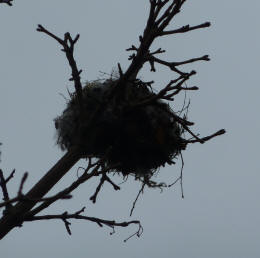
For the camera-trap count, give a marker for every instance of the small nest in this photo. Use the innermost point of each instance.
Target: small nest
(138, 139)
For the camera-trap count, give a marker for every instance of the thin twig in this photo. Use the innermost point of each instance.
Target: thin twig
(3, 186)
(207, 138)
(10, 176)
(24, 198)
(181, 176)
(185, 28)
(77, 215)
(25, 176)
(104, 178)
(134, 203)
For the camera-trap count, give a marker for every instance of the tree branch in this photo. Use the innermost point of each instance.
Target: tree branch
(172, 65)
(207, 138)
(3, 183)
(15, 218)
(185, 28)
(103, 178)
(77, 215)
(68, 47)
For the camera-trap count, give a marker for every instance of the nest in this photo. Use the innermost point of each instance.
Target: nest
(138, 139)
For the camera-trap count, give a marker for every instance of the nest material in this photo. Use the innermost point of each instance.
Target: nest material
(137, 139)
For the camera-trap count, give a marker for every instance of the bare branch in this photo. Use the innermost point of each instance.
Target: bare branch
(104, 178)
(93, 198)
(166, 93)
(68, 47)
(185, 28)
(4, 188)
(172, 65)
(22, 183)
(135, 201)
(180, 178)
(207, 138)
(83, 178)
(39, 190)
(77, 215)
(10, 176)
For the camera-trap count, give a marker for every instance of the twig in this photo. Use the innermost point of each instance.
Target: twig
(180, 178)
(10, 176)
(156, 24)
(20, 196)
(86, 176)
(134, 203)
(204, 139)
(164, 93)
(77, 215)
(83, 178)
(93, 198)
(24, 198)
(104, 178)
(172, 65)
(22, 183)
(68, 47)
(185, 28)
(3, 186)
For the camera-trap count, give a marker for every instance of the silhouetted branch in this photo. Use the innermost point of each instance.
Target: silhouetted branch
(20, 196)
(3, 183)
(10, 176)
(68, 44)
(82, 179)
(207, 138)
(185, 28)
(172, 65)
(77, 215)
(180, 178)
(103, 178)
(137, 197)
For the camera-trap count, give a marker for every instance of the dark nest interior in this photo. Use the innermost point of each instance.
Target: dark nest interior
(117, 125)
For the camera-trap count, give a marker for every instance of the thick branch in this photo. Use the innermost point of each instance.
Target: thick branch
(13, 219)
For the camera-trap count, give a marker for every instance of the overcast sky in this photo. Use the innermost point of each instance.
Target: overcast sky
(220, 214)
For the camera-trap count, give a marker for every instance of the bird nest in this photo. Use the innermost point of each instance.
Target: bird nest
(119, 125)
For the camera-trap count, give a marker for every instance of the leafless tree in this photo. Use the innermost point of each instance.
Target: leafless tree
(104, 162)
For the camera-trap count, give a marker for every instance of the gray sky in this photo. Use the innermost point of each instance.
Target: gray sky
(220, 215)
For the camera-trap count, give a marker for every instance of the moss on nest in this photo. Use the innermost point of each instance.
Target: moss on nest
(138, 139)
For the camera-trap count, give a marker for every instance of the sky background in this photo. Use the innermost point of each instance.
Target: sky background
(220, 214)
